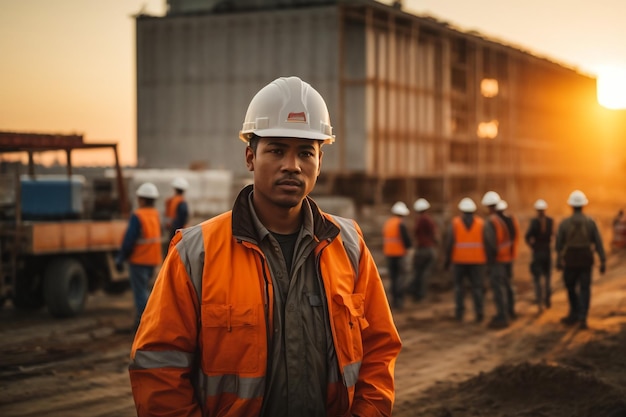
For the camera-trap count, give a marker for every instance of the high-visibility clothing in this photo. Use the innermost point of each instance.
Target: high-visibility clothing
(393, 245)
(202, 346)
(147, 249)
(171, 205)
(503, 239)
(469, 247)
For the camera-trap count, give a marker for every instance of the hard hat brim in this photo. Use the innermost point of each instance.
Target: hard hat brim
(286, 133)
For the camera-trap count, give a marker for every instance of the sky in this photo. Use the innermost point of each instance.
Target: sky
(68, 66)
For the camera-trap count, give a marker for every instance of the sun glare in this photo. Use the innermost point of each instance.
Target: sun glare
(612, 88)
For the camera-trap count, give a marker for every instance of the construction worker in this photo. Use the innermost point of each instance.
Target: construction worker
(539, 238)
(514, 232)
(619, 232)
(176, 208)
(396, 243)
(141, 246)
(274, 308)
(466, 251)
(425, 236)
(498, 257)
(576, 239)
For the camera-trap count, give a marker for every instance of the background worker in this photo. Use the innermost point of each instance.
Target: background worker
(539, 238)
(141, 246)
(498, 257)
(396, 243)
(425, 237)
(176, 208)
(576, 239)
(274, 308)
(466, 251)
(514, 232)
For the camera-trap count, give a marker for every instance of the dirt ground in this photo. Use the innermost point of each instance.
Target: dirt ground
(536, 367)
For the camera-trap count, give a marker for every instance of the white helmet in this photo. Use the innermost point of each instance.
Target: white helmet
(502, 205)
(490, 198)
(577, 199)
(400, 209)
(467, 205)
(288, 107)
(421, 204)
(148, 190)
(180, 183)
(541, 204)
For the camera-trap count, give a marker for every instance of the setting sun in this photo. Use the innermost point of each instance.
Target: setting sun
(612, 88)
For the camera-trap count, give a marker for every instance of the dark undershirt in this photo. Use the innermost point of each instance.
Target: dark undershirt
(287, 245)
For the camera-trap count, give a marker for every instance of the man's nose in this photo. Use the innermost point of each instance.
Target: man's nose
(291, 162)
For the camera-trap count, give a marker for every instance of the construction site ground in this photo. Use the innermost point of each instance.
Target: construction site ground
(536, 367)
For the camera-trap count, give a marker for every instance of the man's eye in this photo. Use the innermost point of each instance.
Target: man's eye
(307, 154)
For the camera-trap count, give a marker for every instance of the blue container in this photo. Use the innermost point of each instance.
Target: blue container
(52, 197)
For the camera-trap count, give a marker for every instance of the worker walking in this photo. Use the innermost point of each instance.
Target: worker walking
(498, 256)
(176, 208)
(274, 308)
(576, 239)
(514, 232)
(425, 237)
(466, 251)
(539, 238)
(396, 242)
(141, 246)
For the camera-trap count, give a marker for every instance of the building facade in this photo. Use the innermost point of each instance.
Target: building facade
(419, 108)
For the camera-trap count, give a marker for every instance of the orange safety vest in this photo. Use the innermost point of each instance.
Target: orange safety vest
(171, 205)
(147, 249)
(503, 239)
(392, 238)
(201, 348)
(468, 243)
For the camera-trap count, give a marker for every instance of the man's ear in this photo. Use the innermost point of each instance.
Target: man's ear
(249, 159)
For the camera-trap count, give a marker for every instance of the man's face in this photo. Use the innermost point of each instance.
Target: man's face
(285, 170)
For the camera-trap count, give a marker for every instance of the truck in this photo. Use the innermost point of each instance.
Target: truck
(59, 233)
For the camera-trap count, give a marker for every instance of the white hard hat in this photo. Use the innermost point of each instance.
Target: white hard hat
(502, 205)
(541, 204)
(467, 205)
(490, 198)
(148, 190)
(400, 209)
(421, 204)
(577, 199)
(288, 107)
(180, 183)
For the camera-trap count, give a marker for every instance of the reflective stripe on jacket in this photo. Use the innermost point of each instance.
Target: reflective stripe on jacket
(468, 243)
(147, 249)
(202, 346)
(392, 238)
(503, 239)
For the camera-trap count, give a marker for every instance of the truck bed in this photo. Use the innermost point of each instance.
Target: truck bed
(45, 237)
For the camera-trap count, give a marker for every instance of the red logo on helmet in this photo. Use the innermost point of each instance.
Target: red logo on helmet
(297, 117)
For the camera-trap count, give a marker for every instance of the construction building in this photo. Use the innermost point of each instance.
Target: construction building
(419, 108)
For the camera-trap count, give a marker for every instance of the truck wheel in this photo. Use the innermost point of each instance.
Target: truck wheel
(65, 287)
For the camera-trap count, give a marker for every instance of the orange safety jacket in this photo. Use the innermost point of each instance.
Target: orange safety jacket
(468, 245)
(171, 205)
(202, 346)
(503, 239)
(147, 249)
(392, 238)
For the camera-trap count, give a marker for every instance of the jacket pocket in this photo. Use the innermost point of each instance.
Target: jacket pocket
(349, 320)
(230, 338)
